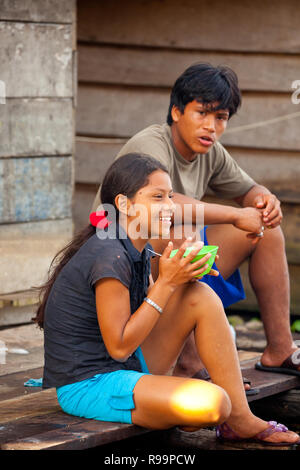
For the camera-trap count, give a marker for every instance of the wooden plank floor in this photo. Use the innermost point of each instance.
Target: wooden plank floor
(268, 383)
(30, 418)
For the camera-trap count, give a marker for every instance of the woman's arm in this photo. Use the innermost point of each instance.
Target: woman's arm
(151, 283)
(122, 332)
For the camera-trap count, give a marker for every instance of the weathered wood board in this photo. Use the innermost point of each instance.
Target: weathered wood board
(278, 170)
(188, 24)
(36, 230)
(156, 67)
(24, 351)
(11, 315)
(36, 50)
(268, 383)
(285, 406)
(93, 157)
(54, 11)
(62, 432)
(269, 114)
(25, 260)
(84, 196)
(99, 108)
(12, 384)
(36, 126)
(28, 405)
(37, 57)
(35, 188)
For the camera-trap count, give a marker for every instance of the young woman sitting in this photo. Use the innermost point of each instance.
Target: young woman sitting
(111, 334)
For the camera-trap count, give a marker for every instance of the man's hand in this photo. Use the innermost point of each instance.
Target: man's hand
(270, 208)
(248, 219)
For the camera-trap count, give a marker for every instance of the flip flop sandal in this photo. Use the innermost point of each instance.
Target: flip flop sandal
(225, 433)
(290, 366)
(252, 391)
(204, 375)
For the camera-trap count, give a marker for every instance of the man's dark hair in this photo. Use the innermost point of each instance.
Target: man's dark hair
(206, 84)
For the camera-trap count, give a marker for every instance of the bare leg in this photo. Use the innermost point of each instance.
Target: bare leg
(162, 402)
(268, 273)
(195, 307)
(189, 362)
(269, 277)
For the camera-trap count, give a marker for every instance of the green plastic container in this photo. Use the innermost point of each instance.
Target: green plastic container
(204, 250)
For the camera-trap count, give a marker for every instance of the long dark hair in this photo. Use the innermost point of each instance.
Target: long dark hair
(126, 175)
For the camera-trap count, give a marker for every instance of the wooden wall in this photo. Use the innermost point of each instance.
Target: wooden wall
(37, 47)
(129, 55)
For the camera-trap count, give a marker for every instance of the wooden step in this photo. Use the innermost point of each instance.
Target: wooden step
(31, 419)
(205, 439)
(268, 383)
(35, 421)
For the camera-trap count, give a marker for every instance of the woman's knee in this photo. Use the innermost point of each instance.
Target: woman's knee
(223, 406)
(201, 404)
(220, 406)
(201, 295)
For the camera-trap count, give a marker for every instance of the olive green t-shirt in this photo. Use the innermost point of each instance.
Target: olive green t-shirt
(215, 172)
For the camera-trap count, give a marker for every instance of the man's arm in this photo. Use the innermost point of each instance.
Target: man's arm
(247, 199)
(261, 198)
(213, 213)
(247, 218)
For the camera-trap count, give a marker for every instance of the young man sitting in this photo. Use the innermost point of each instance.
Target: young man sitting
(202, 101)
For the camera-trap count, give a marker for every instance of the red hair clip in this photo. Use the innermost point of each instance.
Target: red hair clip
(98, 219)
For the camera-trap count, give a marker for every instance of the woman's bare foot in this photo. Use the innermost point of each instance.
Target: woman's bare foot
(248, 428)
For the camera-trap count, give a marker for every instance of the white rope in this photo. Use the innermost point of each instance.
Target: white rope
(263, 123)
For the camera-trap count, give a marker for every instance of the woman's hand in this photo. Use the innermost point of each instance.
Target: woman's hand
(178, 269)
(213, 272)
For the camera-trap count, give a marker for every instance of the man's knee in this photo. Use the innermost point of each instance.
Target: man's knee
(274, 235)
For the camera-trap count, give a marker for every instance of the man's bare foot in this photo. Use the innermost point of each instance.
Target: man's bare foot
(275, 357)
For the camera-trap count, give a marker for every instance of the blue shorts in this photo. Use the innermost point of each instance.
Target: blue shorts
(229, 291)
(104, 397)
